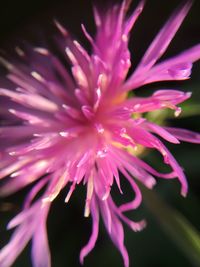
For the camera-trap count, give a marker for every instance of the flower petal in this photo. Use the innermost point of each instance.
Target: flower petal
(164, 37)
(95, 229)
(115, 230)
(184, 135)
(40, 247)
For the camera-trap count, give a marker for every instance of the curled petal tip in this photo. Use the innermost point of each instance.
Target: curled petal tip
(184, 193)
(138, 226)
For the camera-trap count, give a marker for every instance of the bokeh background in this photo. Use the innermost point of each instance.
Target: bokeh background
(171, 237)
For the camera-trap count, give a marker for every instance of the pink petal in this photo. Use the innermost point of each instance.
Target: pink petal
(133, 18)
(161, 99)
(40, 248)
(184, 135)
(116, 233)
(138, 196)
(17, 243)
(164, 37)
(30, 100)
(161, 132)
(95, 229)
(175, 68)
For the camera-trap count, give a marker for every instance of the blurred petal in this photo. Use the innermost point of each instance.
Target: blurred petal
(40, 247)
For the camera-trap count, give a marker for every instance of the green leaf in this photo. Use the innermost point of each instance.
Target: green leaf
(177, 227)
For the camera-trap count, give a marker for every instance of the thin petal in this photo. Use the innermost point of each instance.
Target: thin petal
(30, 100)
(161, 132)
(161, 99)
(135, 203)
(17, 243)
(175, 68)
(95, 229)
(40, 247)
(116, 233)
(164, 37)
(184, 135)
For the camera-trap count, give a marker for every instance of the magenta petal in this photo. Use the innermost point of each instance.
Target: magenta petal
(176, 68)
(40, 247)
(164, 37)
(138, 196)
(133, 18)
(19, 240)
(161, 99)
(116, 232)
(184, 135)
(30, 100)
(95, 229)
(27, 224)
(169, 159)
(161, 132)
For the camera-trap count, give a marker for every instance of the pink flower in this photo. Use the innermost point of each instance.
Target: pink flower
(81, 128)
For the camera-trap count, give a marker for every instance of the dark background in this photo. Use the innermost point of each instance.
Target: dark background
(68, 229)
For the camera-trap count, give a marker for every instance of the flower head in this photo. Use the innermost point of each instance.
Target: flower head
(66, 129)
